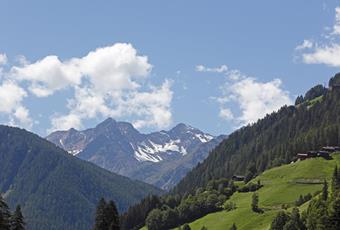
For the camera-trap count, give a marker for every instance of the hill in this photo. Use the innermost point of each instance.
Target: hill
(281, 186)
(159, 158)
(56, 190)
(273, 140)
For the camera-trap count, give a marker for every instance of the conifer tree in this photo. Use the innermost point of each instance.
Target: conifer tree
(255, 202)
(112, 216)
(100, 218)
(4, 215)
(17, 220)
(325, 191)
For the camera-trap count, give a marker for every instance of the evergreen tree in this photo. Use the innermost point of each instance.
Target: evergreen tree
(4, 215)
(204, 228)
(255, 202)
(17, 220)
(111, 215)
(100, 218)
(186, 227)
(233, 227)
(279, 221)
(335, 181)
(325, 191)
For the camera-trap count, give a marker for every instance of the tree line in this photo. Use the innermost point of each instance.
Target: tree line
(323, 212)
(272, 141)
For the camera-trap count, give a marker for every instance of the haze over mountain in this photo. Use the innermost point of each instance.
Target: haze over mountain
(56, 190)
(159, 158)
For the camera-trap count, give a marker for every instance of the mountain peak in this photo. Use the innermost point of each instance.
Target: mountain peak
(107, 122)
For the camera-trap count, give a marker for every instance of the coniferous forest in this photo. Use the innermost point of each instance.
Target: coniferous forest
(313, 122)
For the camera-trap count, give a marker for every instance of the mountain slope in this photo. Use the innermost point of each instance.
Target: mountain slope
(160, 158)
(282, 186)
(55, 189)
(272, 141)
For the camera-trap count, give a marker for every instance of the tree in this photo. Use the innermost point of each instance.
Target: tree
(111, 216)
(4, 215)
(324, 191)
(17, 220)
(100, 218)
(186, 227)
(204, 228)
(255, 202)
(279, 221)
(233, 227)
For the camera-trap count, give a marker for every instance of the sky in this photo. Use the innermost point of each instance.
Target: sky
(215, 65)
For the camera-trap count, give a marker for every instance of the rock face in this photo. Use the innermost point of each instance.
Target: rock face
(159, 158)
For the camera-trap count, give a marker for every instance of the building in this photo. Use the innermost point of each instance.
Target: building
(238, 178)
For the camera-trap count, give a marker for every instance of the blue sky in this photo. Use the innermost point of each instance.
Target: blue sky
(215, 65)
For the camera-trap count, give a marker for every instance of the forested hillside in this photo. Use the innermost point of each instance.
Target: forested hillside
(56, 190)
(274, 140)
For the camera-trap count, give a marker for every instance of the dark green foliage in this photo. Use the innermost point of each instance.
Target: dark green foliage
(272, 141)
(56, 190)
(4, 215)
(303, 199)
(106, 217)
(279, 221)
(250, 187)
(288, 221)
(255, 202)
(315, 92)
(325, 191)
(135, 217)
(334, 80)
(17, 220)
(204, 228)
(186, 227)
(233, 227)
(191, 207)
(299, 100)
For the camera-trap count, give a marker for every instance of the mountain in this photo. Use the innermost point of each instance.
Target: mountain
(159, 158)
(56, 190)
(313, 122)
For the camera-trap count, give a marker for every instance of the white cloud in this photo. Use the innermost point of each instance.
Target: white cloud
(109, 81)
(336, 27)
(326, 52)
(202, 68)
(226, 114)
(253, 99)
(306, 44)
(11, 96)
(328, 55)
(3, 59)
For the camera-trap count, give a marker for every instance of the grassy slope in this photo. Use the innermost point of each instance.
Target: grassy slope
(282, 185)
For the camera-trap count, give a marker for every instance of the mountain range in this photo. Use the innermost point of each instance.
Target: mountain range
(159, 158)
(56, 190)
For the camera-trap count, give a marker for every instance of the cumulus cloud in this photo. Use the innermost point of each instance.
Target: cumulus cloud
(11, 97)
(253, 99)
(109, 81)
(3, 59)
(325, 52)
(202, 68)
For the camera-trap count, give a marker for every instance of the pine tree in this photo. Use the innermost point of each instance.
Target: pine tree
(325, 191)
(112, 216)
(17, 220)
(335, 181)
(255, 202)
(100, 218)
(186, 227)
(4, 215)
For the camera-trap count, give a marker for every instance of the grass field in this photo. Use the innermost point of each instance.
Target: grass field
(282, 185)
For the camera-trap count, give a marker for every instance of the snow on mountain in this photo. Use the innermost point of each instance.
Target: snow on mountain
(120, 148)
